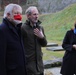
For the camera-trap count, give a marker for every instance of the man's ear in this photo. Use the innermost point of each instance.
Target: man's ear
(28, 16)
(8, 14)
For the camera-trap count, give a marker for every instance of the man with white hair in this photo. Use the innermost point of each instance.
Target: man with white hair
(33, 38)
(12, 58)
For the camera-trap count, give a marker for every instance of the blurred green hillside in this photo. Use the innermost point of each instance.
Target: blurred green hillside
(56, 24)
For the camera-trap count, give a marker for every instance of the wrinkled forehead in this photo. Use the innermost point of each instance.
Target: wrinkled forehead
(34, 11)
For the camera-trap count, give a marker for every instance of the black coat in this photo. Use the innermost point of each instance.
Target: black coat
(69, 59)
(12, 59)
(33, 46)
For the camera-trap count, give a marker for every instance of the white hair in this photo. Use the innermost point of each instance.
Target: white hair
(9, 8)
(29, 10)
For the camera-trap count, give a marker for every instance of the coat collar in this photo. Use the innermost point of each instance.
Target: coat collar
(29, 23)
(10, 25)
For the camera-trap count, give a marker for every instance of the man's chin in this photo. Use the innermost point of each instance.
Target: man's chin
(36, 21)
(17, 21)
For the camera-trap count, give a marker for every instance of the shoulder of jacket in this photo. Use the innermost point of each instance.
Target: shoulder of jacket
(41, 26)
(2, 26)
(69, 32)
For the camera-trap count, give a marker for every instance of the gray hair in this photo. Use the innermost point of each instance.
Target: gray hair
(9, 8)
(29, 10)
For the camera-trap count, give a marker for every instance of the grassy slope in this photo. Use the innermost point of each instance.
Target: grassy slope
(55, 26)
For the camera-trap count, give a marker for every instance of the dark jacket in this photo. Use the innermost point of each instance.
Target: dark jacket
(33, 46)
(12, 59)
(69, 59)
